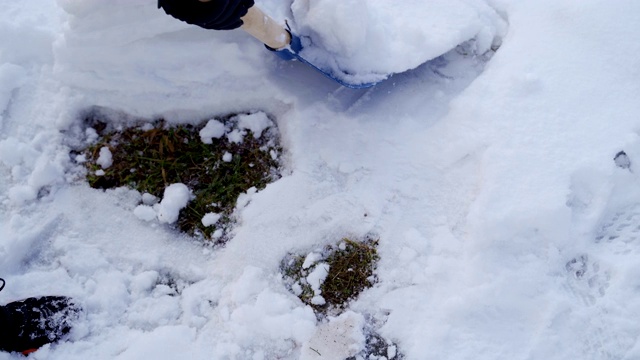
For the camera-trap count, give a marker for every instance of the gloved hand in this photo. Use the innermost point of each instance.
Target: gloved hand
(214, 14)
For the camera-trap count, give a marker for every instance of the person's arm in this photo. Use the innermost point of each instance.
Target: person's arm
(208, 14)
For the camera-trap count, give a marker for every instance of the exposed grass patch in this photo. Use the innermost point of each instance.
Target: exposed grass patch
(150, 158)
(350, 269)
(342, 273)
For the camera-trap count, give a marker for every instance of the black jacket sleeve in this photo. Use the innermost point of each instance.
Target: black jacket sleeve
(214, 14)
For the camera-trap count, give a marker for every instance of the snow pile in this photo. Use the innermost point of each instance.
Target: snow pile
(368, 40)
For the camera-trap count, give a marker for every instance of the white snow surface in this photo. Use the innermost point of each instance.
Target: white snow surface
(506, 229)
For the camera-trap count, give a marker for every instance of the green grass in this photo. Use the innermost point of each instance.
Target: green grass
(150, 160)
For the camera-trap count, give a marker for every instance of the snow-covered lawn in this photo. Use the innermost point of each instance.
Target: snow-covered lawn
(506, 229)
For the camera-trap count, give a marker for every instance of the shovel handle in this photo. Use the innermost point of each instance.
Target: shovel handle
(262, 27)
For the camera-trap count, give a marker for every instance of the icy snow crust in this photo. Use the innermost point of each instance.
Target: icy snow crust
(506, 229)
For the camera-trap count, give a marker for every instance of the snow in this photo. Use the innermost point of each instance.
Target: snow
(371, 39)
(256, 123)
(105, 158)
(317, 276)
(338, 338)
(213, 130)
(176, 197)
(506, 227)
(210, 219)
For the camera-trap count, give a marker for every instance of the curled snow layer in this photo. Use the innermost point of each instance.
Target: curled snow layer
(371, 39)
(176, 197)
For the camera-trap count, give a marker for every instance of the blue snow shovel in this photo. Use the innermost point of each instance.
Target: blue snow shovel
(288, 46)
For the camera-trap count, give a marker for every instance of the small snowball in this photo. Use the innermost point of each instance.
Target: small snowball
(81, 159)
(235, 136)
(227, 157)
(210, 219)
(99, 172)
(213, 130)
(105, 159)
(144, 212)
(217, 234)
(256, 123)
(176, 197)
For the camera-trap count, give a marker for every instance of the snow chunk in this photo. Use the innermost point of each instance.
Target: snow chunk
(311, 259)
(144, 212)
(235, 136)
(227, 157)
(318, 300)
(176, 197)
(317, 277)
(256, 123)
(213, 130)
(105, 159)
(210, 219)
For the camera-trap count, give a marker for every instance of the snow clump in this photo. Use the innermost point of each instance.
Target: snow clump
(105, 159)
(256, 123)
(315, 279)
(213, 130)
(210, 219)
(176, 197)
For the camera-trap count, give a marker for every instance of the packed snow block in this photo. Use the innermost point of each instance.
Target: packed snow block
(367, 41)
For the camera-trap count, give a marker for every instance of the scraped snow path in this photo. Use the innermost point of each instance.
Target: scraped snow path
(506, 228)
